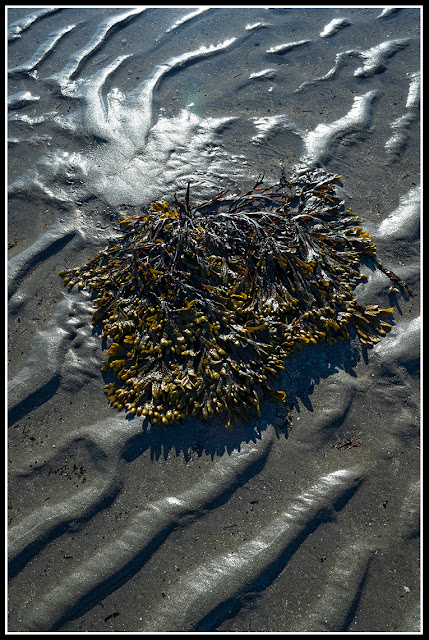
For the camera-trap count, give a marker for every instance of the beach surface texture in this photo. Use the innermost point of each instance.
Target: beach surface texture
(306, 517)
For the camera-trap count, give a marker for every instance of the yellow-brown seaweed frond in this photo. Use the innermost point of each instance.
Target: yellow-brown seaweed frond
(202, 305)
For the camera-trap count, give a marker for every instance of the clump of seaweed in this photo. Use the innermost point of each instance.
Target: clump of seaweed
(200, 305)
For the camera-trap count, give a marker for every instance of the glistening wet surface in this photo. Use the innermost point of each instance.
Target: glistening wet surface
(305, 519)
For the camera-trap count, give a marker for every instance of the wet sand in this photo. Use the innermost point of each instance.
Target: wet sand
(306, 519)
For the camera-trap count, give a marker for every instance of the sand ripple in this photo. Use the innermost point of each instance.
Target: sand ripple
(304, 520)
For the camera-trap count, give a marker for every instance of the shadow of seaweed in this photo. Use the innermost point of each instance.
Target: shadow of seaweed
(192, 437)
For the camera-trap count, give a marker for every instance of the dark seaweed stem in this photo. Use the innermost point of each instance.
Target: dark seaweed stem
(201, 305)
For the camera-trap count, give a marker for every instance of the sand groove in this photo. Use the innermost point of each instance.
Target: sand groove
(304, 520)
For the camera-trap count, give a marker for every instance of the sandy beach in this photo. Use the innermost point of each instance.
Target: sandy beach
(305, 519)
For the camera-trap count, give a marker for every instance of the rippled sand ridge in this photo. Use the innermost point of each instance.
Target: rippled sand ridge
(307, 517)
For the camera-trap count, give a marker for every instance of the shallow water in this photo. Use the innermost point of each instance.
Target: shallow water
(300, 521)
